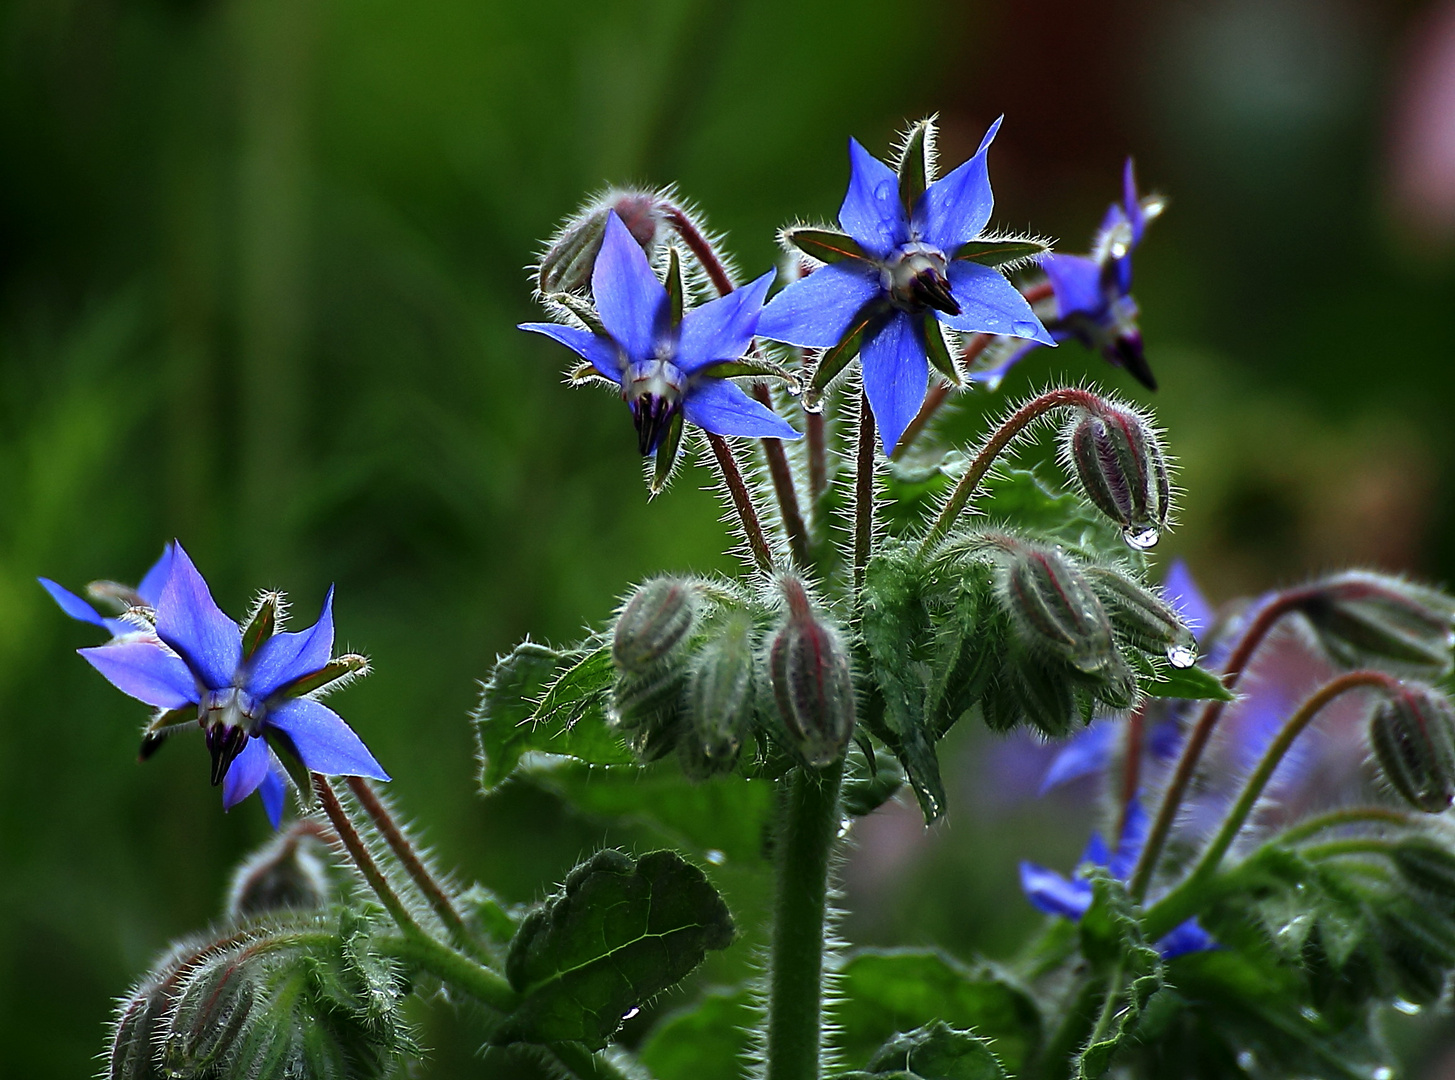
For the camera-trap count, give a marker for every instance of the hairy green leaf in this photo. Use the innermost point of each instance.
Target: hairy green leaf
(1112, 940)
(1195, 683)
(937, 1052)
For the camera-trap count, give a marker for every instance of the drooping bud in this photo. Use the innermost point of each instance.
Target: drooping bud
(812, 684)
(1053, 606)
(1413, 737)
(1364, 618)
(916, 280)
(648, 709)
(1142, 619)
(657, 619)
(720, 698)
(287, 872)
(567, 264)
(1428, 865)
(1119, 463)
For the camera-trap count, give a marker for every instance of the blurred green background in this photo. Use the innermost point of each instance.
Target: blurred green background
(260, 267)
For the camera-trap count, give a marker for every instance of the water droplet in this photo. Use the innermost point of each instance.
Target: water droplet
(1180, 656)
(1141, 537)
(712, 855)
(633, 1011)
(1023, 328)
(1311, 1015)
(1153, 205)
(794, 388)
(1246, 1060)
(887, 191)
(1384, 1072)
(844, 826)
(1409, 1008)
(812, 401)
(1119, 249)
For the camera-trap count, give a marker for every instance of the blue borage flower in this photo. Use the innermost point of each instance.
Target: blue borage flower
(144, 595)
(1093, 293)
(1071, 897)
(670, 365)
(248, 692)
(914, 258)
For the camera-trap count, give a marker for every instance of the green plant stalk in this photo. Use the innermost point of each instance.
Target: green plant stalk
(808, 830)
(1351, 815)
(1077, 1022)
(863, 491)
(451, 967)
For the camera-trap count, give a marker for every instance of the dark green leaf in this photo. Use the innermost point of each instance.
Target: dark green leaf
(938, 1052)
(1112, 940)
(939, 352)
(825, 245)
(676, 287)
(620, 933)
(666, 456)
(709, 1041)
(749, 365)
(1195, 683)
(989, 252)
(914, 164)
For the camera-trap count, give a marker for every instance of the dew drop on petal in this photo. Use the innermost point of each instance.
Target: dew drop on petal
(1023, 328)
(887, 192)
(1141, 537)
(1180, 656)
(714, 856)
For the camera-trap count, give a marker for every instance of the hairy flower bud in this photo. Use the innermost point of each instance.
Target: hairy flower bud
(720, 697)
(1118, 460)
(1142, 619)
(812, 684)
(287, 872)
(567, 263)
(657, 619)
(1053, 606)
(649, 710)
(1364, 618)
(1413, 736)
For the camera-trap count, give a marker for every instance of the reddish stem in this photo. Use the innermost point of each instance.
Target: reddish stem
(737, 487)
(359, 852)
(783, 487)
(699, 246)
(1132, 763)
(864, 491)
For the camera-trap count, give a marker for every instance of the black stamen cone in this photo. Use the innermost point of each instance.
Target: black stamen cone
(653, 415)
(932, 289)
(1128, 349)
(225, 744)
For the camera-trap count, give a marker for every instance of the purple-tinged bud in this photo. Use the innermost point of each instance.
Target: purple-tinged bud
(287, 872)
(654, 622)
(1413, 737)
(1053, 606)
(567, 263)
(812, 684)
(1363, 618)
(1119, 463)
(720, 697)
(1142, 619)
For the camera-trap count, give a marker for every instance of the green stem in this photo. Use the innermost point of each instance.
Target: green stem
(454, 968)
(1355, 845)
(1353, 815)
(358, 851)
(809, 827)
(1003, 436)
(1070, 1035)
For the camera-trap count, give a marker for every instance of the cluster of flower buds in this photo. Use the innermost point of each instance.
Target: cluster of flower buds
(1413, 735)
(720, 694)
(570, 256)
(1367, 619)
(1117, 458)
(289, 872)
(813, 685)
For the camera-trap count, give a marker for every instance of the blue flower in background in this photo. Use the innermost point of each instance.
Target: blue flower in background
(666, 370)
(1071, 897)
(144, 595)
(244, 700)
(1093, 293)
(909, 258)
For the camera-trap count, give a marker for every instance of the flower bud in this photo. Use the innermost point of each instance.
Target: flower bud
(720, 698)
(1053, 607)
(649, 710)
(567, 264)
(1118, 460)
(1142, 619)
(1364, 618)
(657, 619)
(1413, 736)
(812, 684)
(1427, 865)
(287, 872)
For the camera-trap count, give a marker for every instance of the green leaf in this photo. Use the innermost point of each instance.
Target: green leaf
(617, 935)
(988, 252)
(1020, 499)
(937, 1051)
(666, 456)
(884, 992)
(1195, 683)
(709, 1041)
(939, 352)
(750, 366)
(676, 287)
(544, 701)
(914, 164)
(837, 358)
(825, 245)
(580, 307)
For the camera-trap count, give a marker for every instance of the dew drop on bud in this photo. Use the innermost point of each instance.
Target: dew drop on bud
(1141, 537)
(812, 401)
(1023, 329)
(1180, 656)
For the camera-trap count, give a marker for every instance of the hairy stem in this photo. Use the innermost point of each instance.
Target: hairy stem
(1132, 763)
(808, 829)
(742, 499)
(1059, 1052)
(1017, 423)
(453, 968)
(783, 486)
(863, 491)
(1352, 815)
(700, 247)
(818, 467)
(359, 852)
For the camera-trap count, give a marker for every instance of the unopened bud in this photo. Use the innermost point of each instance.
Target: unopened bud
(1427, 865)
(720, 698)
(1364, 618)
(567, 264)
(657, 619)
(1118, 460)
(1053, 606)
(648, 709)
(1413, 736)
(812, 684)
(1142, 619)
(287, 872)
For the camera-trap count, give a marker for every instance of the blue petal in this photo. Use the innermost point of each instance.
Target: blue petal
(1085, 753)
(155, 580)
(719, 406)
(191, 623)
(896, 373)
(872, 213)
(815, 312)
(992, 376)
(1053, 894)
(79, 609)
(288, 656)
(1187, 938)
(323, 742)
(602, 352)
(245, 773)
(274, 790)
(630, 300)
(143, 669)
(1184, 595)
(1077, 284)
(1096, 853)
(721, 329)
(1133, 205)
(1129, 846)
(956, 207)
(990, 305)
